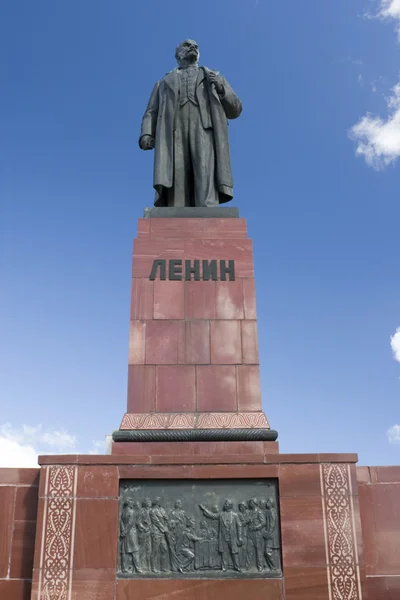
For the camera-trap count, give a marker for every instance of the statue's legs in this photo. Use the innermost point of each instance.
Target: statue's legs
(194, 161)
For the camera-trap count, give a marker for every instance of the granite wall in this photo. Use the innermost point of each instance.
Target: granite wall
(18, 511)
(311, 488)
(379, 494)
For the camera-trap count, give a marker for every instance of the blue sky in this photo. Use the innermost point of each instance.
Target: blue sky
(316, 176)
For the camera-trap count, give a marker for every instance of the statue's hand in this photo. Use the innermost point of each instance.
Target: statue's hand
(216, 80)
(147, 142)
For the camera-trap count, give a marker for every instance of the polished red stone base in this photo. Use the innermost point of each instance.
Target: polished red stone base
(81, 492)
(193, 343)
(327, 507)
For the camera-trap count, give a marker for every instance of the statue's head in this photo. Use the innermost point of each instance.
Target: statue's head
(242, 507)
(270, 503)
(136, 505)
(253, 503)
(178, 504)
(228, 505)
(157, 501)
(146, 503)
(187, 53)
(203, 524)
(262, 504)
(190, 523)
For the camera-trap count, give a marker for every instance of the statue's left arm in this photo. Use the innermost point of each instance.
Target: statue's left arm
(230, 101)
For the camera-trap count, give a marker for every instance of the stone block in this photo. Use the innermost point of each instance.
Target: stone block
(303, 540)
(176, 388)
(98, 481)
(385, 587)
(93, 584)
(200, 299)
(299, 480)
(226, 345)
(248, 388)
(169, 299)
(96, 533)
(249, 342)
(141, 388)
(26, 501)
(379, 509)
(305, 583)
(23, 547)
(161, 229)
(216, 388)
(142, 298)
(19, 476)
(229, 299)
(260, 589)
(137, 343)
(194, 348)
(162, 342)
(15, 589)
(7, 500)
(145, 251)
(249, 298)
(240, 251)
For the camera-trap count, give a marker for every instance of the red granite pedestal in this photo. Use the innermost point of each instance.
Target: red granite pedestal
(194, 412)
(193, 349)
(77, 530)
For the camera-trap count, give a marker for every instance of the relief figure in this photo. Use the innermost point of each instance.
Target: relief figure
(229, 534)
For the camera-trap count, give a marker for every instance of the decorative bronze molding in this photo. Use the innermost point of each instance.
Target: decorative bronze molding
(194, 435)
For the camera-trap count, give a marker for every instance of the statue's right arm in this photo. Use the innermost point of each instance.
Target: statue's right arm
(149, 121)
(208, 513)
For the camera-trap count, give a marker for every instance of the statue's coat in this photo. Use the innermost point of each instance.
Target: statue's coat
(159, 122)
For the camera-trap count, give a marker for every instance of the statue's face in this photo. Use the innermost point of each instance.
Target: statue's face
(228, 505)
(252, 503)
(147, 502)
(178, 504)
(242, 507)
(188, 52)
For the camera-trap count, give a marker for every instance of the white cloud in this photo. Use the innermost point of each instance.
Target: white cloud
(98, 447)
(395, 345)
(393, 434)
(390, 9)
(59, 439)
(20, 446)
(378, 140)
(17, 455)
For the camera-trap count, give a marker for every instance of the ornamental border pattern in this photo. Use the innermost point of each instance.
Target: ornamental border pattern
(247, 420)
(58, 533)
(343, 569)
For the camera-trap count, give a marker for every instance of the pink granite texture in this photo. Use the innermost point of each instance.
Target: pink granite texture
(193, 344)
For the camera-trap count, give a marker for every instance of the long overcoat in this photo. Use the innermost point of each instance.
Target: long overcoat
(230, 531)
(159, 121)
(128, 528)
